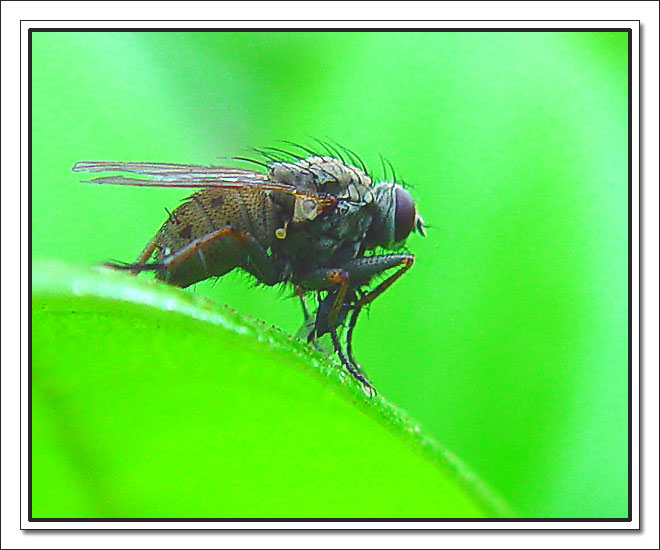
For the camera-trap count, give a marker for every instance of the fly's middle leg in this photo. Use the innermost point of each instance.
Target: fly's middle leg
(307, 330)
(336, 279)
(332, 311)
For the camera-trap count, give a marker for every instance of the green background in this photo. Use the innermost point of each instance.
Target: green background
(507, 340)
(149, 402)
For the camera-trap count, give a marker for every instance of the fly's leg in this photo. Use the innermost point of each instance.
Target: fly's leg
(353, 274)
(198, 260)
(328, 313)
(142, 259)
(301, 295)
(355, 372)
(147, 252)
(326, 279)
(337, 280)
(234, 244)
(307, 330)
(384, 262)
(349, 334)
(362, 269)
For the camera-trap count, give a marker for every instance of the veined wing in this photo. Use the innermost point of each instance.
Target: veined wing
(194, 176)
(177, 175)
(149, 168)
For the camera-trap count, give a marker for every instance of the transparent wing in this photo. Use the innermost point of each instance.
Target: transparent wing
(193, 176)
(180, 175)
(150, 168)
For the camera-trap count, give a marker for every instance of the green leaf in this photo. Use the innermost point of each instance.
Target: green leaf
(151, 402)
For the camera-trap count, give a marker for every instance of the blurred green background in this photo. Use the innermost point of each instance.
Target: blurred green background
(507, 340)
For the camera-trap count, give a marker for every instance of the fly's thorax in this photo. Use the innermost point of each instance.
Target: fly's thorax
(319, 175)
(315, 177)
(335, 236)
(395, 217)
(349, 221)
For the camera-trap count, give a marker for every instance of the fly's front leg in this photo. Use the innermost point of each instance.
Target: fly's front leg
(349, 334)
(362, 270)
(355, 372)
(346, 279)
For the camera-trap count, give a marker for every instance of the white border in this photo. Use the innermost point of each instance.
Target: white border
(25, 524)
(472, 24)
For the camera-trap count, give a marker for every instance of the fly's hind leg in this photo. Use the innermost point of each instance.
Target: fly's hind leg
(212, 255)
(136, 267)
(148, 251)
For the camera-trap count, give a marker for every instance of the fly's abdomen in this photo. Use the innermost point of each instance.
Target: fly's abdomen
(204, 214)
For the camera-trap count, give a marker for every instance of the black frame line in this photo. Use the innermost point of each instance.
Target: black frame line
(361, 29)
(331, 20)
(628, 519)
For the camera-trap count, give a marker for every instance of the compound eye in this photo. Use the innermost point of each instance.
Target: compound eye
(404, 214)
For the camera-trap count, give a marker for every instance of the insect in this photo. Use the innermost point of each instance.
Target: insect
(313, 220)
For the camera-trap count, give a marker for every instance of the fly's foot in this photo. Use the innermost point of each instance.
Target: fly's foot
(369, 389)
(134, 268)
(356, 373)
(352, 367)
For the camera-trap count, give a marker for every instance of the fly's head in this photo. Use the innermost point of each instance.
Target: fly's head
(395, 217)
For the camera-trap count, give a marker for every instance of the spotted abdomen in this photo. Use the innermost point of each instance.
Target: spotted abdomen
(210, 210)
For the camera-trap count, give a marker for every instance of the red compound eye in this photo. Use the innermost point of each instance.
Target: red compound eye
(404, 214)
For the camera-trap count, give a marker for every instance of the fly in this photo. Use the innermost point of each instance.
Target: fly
(311, 221)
